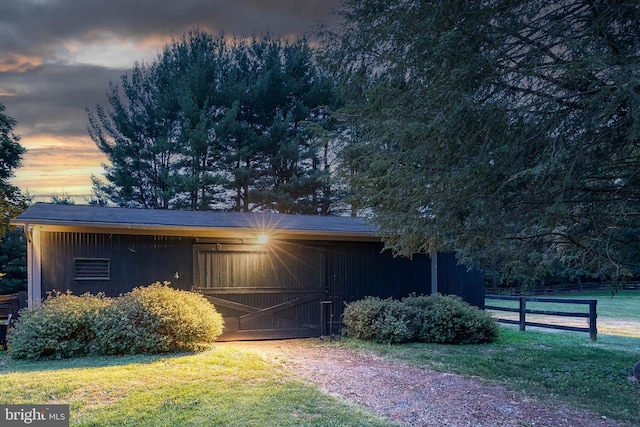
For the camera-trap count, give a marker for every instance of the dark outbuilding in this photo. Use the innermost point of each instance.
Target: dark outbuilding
(270, 275)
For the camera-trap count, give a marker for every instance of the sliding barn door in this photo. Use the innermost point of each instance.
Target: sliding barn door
(262, 291)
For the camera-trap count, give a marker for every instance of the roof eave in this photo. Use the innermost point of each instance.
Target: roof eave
(192, 231)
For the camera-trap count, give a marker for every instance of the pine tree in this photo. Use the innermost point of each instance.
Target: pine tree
(507, 131)
(217, 124)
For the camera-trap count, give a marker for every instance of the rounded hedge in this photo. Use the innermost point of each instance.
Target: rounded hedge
(157, 319)
(431, 319)
(447, 319)
(380, 320)
(151, 319)
(62, 327)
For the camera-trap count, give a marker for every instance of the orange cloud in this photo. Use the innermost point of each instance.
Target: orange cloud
(53, 165)
(18, 62)
(4, 92)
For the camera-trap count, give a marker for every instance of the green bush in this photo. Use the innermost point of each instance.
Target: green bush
(433, 319)
(381, 320)
(448, 319)
(157, 319)
(62, 327)
(152, 319)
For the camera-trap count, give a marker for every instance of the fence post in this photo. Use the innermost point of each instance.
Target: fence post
(523, 313)
(22, 299)
(593, 331)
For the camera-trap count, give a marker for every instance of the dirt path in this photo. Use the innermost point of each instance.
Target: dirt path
(412, 396)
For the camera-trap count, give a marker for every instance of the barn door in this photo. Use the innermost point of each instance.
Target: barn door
(262, 291)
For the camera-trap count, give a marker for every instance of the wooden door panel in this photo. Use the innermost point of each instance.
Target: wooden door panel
(262, 292)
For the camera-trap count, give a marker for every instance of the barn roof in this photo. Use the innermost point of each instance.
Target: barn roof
(60, 217)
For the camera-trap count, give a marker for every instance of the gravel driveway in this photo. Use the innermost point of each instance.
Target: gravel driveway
(410, 395)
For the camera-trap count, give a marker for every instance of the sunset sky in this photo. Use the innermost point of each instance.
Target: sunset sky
(58, 56)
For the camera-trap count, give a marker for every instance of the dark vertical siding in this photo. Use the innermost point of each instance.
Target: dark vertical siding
(355, 271)
(456, 279)
(135, 261)
(281, 266)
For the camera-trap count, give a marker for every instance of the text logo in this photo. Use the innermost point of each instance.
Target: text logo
(34, 415)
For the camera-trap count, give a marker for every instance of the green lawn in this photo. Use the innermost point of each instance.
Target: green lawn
(221, 387)
(624, 305)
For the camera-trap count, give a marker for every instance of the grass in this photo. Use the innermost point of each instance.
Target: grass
(624, 305)
(221, 387)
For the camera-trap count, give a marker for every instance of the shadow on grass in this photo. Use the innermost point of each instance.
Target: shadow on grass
(9, 365)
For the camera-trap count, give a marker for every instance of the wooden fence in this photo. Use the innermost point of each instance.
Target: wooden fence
(14, 302)
(522, 310)
(561, 288)
(10, 305)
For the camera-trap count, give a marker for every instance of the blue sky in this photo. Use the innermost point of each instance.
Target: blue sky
(58, 56)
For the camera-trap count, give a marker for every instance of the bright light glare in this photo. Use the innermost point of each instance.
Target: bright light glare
(262, 239)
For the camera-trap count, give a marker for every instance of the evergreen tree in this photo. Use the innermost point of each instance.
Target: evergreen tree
(505, 130)
(271, 131)
(190, 72)
(13, 261)
(62, 199)
(13, 245)
(138, 137)
(12, 202)
(214, 123)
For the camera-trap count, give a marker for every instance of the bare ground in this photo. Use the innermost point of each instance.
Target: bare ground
(412, 396)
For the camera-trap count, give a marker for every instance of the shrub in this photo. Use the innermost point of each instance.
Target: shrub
(152, 319)
(433, 319)
(62, 327)
(448, 319)
(381, 320)
(157, 319)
